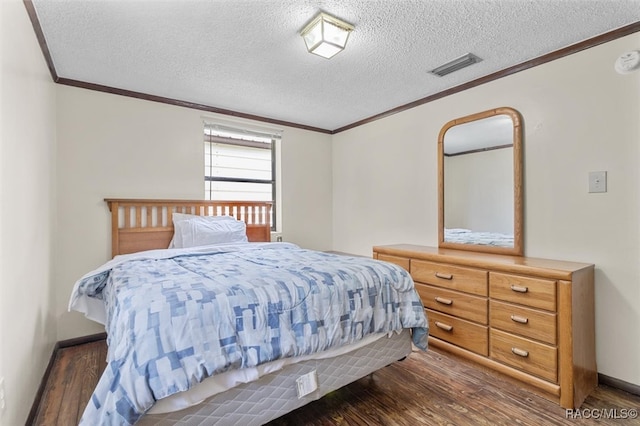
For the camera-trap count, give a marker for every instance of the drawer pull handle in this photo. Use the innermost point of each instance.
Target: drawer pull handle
(520, 352)
(445, 327)
(519, 289)
(521, 320)
(444, 276)
(444, 301)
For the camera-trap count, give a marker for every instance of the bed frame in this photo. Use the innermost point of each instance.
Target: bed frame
(138, 225)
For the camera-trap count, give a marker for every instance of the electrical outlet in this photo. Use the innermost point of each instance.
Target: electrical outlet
(597, 181)
(2, 402)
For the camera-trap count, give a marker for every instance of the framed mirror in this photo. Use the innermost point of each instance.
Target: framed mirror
(480, 183)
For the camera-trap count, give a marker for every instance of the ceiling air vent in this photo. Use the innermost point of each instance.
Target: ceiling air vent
(455, 65)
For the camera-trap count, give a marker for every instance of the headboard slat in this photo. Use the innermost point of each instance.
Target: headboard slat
(156, 234)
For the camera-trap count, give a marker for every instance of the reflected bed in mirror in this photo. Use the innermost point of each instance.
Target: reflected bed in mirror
(480, 181)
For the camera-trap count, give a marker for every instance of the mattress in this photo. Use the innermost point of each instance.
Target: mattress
(276, 394)
(224, 381)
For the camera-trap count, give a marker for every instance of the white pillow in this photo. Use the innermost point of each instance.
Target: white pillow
(193, 230)
(176, 240)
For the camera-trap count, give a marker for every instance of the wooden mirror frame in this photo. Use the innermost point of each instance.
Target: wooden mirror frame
(518, 246)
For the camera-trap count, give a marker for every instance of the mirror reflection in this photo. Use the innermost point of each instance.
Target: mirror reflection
(480, 182)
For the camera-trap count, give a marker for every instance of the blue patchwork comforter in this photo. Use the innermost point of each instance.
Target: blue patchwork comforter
(175, 317)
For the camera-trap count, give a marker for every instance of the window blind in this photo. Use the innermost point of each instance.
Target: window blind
(239, 164)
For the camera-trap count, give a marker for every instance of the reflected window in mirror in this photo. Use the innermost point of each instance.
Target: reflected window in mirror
(480, 182)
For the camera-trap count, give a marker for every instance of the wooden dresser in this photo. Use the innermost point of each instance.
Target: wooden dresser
(532, 319)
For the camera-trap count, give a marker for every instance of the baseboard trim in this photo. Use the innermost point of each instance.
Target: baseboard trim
(47, 372)
(81, 340)
(43, 383)
(618, 384)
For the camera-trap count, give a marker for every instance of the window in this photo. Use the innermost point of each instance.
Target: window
(239, 165)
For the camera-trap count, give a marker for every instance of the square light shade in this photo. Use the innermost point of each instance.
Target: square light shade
(325, 35)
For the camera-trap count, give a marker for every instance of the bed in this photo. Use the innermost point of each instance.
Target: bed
(226, 327)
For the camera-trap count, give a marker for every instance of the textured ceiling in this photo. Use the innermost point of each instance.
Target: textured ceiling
(248, 57)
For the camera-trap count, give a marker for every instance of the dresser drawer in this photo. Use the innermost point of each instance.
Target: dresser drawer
(400, 261)
(531, 323)
(533, 292)
(460, 332)
(535, 358)
(451, 277)
(463, 305)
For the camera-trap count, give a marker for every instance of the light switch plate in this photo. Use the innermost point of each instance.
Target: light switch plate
(597, 181)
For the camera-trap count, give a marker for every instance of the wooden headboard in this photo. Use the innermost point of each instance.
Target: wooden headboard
(138, 225)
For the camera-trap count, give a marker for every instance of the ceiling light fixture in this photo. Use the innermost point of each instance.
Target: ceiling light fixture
(455, 65)
(325, 35)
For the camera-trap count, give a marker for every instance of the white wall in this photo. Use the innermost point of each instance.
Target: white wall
(579, 116)
(307, 189)
(27, 215)
(479, 191)
(119, 147)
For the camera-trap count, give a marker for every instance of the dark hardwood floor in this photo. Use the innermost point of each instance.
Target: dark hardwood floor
(432, 388)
